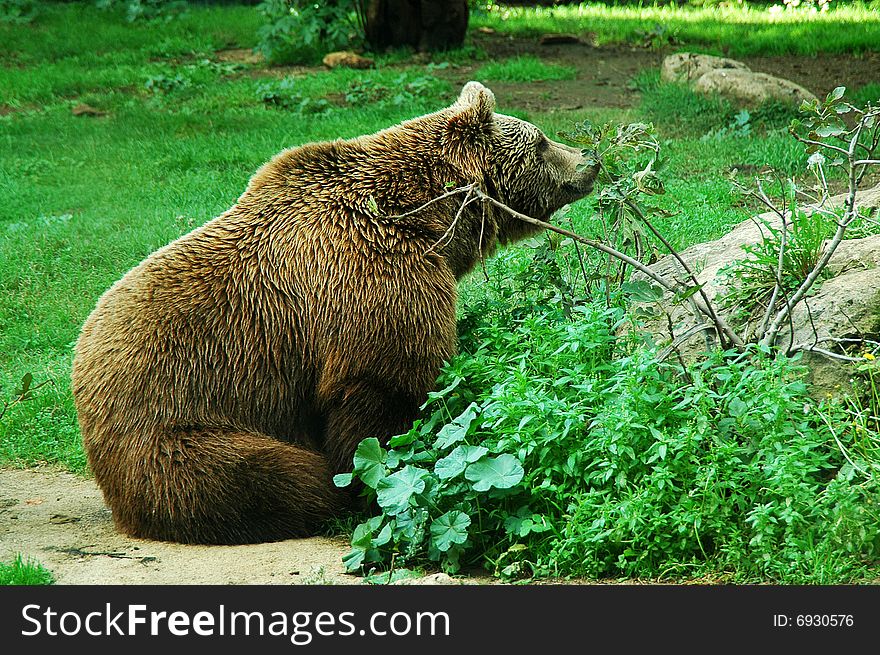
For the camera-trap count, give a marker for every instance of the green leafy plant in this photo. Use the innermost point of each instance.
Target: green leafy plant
(659, 36)
(740, 126)
(146, 10)
(423, 505)
(163, 83)
(754, 278)
(300, 31)
(17, 11)
(285, 95)
(405, 89)
(21, 571)
(558, 448)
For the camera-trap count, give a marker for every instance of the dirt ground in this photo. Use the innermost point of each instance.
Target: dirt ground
(605, 74)
(60, 518)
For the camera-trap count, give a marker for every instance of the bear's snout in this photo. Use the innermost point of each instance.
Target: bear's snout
(580, 177)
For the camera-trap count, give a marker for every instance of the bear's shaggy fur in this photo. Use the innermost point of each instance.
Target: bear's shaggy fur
(223, 381)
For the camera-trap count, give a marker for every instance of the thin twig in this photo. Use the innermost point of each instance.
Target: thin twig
(808, 348)
(849, 215)
(450, 231)
(681, 338)
(462, 189)
(777, 286)
(840, 445)
(721, 325)
(687, 269)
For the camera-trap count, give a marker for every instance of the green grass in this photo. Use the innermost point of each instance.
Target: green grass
(732, 29)
(83, 199)
(22, 571)
(526, 68)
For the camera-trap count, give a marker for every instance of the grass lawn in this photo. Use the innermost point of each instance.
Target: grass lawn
(116, 138)
(83, 198)
(732, 29)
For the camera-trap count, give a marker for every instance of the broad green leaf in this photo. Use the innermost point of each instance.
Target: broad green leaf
(501, 472)
(343, 479)
(404, 439)
(394, 492)
(449, 529)
(456, 461)
(362, 536)
(354, 559)
(737, 407)
(835, 95)
(384, 536)
(686, 293)
(642, 291)
(446, 390)
(26, 381)
(369, 462)
(457, 430)
(361, 542)
(830, 130)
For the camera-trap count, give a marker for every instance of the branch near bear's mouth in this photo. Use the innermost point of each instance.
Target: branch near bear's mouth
(473, 193)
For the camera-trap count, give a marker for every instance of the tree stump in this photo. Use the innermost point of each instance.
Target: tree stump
(426, 25)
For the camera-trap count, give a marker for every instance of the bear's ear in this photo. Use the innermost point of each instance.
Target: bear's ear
(470, 128)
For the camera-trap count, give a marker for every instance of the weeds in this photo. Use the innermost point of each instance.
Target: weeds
(17, 11)
(612, 463)
(525, 69)
(21, 571)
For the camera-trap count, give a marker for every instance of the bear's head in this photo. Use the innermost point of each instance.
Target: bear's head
(513, 160)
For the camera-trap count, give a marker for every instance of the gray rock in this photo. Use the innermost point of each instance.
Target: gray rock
(845, 306)
(749, 89)
(689, 66)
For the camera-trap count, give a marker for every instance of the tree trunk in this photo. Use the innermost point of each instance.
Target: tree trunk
(421, 24)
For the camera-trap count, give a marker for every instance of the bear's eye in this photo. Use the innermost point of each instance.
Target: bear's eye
(542, 144)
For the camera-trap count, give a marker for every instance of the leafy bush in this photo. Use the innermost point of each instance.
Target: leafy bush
(297, 31)
(558, 448)
(754, 277)
(146, 9)
(284, 95)
(17, 11)
(162, 83)
(402, 91)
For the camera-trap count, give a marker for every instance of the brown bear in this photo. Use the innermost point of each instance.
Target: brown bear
(222, 382)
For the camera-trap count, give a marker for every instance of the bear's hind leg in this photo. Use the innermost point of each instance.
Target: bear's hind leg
(365, 408)
(221, 487)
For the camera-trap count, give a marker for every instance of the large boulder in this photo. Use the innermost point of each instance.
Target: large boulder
(731, 79)
(750, 89)
(689, 66)
(846, 306)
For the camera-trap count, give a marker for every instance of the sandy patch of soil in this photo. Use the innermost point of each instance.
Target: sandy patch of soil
(61, 520)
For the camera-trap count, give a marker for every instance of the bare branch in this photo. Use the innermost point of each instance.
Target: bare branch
(850, 213)
(823, 145)
(462, 189)
(450, 231)
(681, 338)
(721, 326)
(777, 287)
(810, 348)
(713, 315)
